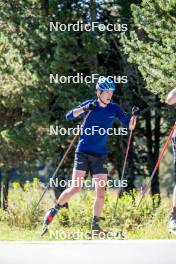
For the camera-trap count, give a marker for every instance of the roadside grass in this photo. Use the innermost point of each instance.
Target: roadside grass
(20, 224)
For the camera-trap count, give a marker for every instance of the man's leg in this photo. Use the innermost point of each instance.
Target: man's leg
(172, 224)
(173, 213)
(174, 204)
(174, 198)
(100, 185)
(77, 179)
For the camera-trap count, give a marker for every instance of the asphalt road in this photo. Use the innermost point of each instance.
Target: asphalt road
(88, 252)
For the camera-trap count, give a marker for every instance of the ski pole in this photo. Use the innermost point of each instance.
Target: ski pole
(134, 112)
(146, 189)
(62, 160)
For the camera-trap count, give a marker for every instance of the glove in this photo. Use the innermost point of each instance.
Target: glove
(135, 111)
(89, 107)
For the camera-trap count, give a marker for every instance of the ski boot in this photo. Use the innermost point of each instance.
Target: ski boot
(96, 230)
(49, 218)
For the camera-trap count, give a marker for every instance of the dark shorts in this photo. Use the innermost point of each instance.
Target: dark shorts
(94, 164)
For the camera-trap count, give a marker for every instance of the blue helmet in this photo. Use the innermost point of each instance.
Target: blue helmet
(105, 84)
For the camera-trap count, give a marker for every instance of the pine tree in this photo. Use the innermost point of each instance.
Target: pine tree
(153, 39)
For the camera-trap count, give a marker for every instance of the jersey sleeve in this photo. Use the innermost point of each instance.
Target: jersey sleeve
(69, 115)
(121, 115)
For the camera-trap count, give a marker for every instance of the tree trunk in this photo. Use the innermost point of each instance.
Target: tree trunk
(59, 189)
(93, 62)
(155, 187)
(59, 178)
(153, 142)
(4, 190)
(45, 7)
(149, 141)
(131, 175)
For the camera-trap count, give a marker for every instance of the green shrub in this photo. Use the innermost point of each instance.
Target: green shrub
(79, 214)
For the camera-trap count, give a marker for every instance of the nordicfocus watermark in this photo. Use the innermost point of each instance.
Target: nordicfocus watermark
(89, 131)
(55, 183)
(80, 78)
(88, 27)
(79, 235)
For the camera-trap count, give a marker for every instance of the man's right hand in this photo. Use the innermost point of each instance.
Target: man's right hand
(89, 106)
